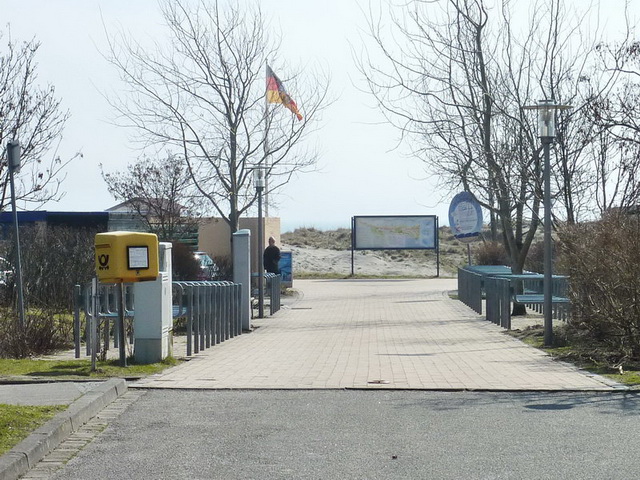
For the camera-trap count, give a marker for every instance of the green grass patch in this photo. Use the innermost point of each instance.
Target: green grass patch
(17, 422)
(73, 369)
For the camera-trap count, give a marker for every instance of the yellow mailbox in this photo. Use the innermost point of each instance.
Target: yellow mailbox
(126, 257)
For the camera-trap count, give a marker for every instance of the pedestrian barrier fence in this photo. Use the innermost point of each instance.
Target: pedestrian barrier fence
(100, 310)
(273, 288)
(500, 288)
(212, 313)
(470, 286)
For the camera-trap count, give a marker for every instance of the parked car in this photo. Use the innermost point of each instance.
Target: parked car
(208, 268)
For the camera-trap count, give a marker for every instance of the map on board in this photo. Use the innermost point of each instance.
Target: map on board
(394, 232)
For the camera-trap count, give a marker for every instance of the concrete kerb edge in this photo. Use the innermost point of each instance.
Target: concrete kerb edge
(35, 447)
(623, 389)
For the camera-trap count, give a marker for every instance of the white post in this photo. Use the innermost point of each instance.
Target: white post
(242, 273)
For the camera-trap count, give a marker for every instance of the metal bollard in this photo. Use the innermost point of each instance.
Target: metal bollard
(77, 300)
(219, 329)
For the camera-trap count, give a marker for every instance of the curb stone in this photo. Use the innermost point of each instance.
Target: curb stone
(31, 450)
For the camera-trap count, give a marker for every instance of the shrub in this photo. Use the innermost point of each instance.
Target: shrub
(54, 259)
(603, 261)
(535, 258)
(225, 267)
(491, 253)
(43, 333)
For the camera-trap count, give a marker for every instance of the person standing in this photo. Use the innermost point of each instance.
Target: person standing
(271, 257)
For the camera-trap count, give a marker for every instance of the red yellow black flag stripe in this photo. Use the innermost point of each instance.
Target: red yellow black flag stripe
(277, 94)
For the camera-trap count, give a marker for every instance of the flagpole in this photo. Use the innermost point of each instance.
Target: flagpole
(266, 149)
(259, 179)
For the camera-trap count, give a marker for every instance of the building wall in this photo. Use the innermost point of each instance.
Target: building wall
(127, 222)
(214, 236)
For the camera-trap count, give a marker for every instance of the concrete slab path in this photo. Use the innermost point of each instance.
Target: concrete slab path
(397, 334)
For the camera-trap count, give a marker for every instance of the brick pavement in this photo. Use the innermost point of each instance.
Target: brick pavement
(401, 334)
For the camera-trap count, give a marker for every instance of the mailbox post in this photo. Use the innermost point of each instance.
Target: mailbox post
(124, 257)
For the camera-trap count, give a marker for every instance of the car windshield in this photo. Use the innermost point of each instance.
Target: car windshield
(205, 260)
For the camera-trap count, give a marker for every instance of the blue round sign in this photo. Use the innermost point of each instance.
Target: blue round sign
(465, 217)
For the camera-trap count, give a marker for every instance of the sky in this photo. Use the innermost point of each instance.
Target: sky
(361, 170)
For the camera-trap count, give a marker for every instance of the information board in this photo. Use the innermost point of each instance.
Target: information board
(286, 269)
(465, 217)
(396, 232)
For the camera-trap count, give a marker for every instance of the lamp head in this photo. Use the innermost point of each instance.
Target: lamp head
(546, 118)
(259, 177)
(13, 155)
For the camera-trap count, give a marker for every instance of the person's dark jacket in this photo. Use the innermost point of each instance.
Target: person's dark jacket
(271, 258)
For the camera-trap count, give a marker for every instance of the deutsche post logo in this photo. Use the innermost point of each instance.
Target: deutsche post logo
(103, 261)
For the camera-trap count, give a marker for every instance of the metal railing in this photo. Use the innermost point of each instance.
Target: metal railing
(471, 283)
(211, 310)
(498, 301)
(273, 284)
(499, 287)
(470, 289)
(533, 290)
(501, 291)
(105, 313)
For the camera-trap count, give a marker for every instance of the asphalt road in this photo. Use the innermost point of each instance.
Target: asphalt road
(352, 434)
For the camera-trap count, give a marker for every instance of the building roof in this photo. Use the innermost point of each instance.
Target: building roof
(139, 203)
(58, 218)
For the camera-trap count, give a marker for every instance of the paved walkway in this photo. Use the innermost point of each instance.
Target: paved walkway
(400, 334)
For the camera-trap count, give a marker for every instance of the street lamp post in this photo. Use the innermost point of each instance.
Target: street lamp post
(547, 133)
(548, 250)
(259, 181)
(13, 162)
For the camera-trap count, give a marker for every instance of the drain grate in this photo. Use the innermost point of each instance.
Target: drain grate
(378, 382)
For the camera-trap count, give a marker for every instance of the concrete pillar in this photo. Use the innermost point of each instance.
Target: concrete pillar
(242, 273)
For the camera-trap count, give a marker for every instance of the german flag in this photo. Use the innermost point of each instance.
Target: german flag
(277, 94)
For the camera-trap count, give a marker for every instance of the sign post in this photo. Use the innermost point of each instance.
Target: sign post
(465, 219)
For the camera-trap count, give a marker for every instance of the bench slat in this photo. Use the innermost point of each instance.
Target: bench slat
(538, 299)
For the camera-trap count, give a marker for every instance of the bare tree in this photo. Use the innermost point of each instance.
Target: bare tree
(32, 115)
(161, 192)
(611, 109)
(203, 97)
(455, 77)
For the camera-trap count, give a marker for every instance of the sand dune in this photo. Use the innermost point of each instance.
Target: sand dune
(322, 260)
